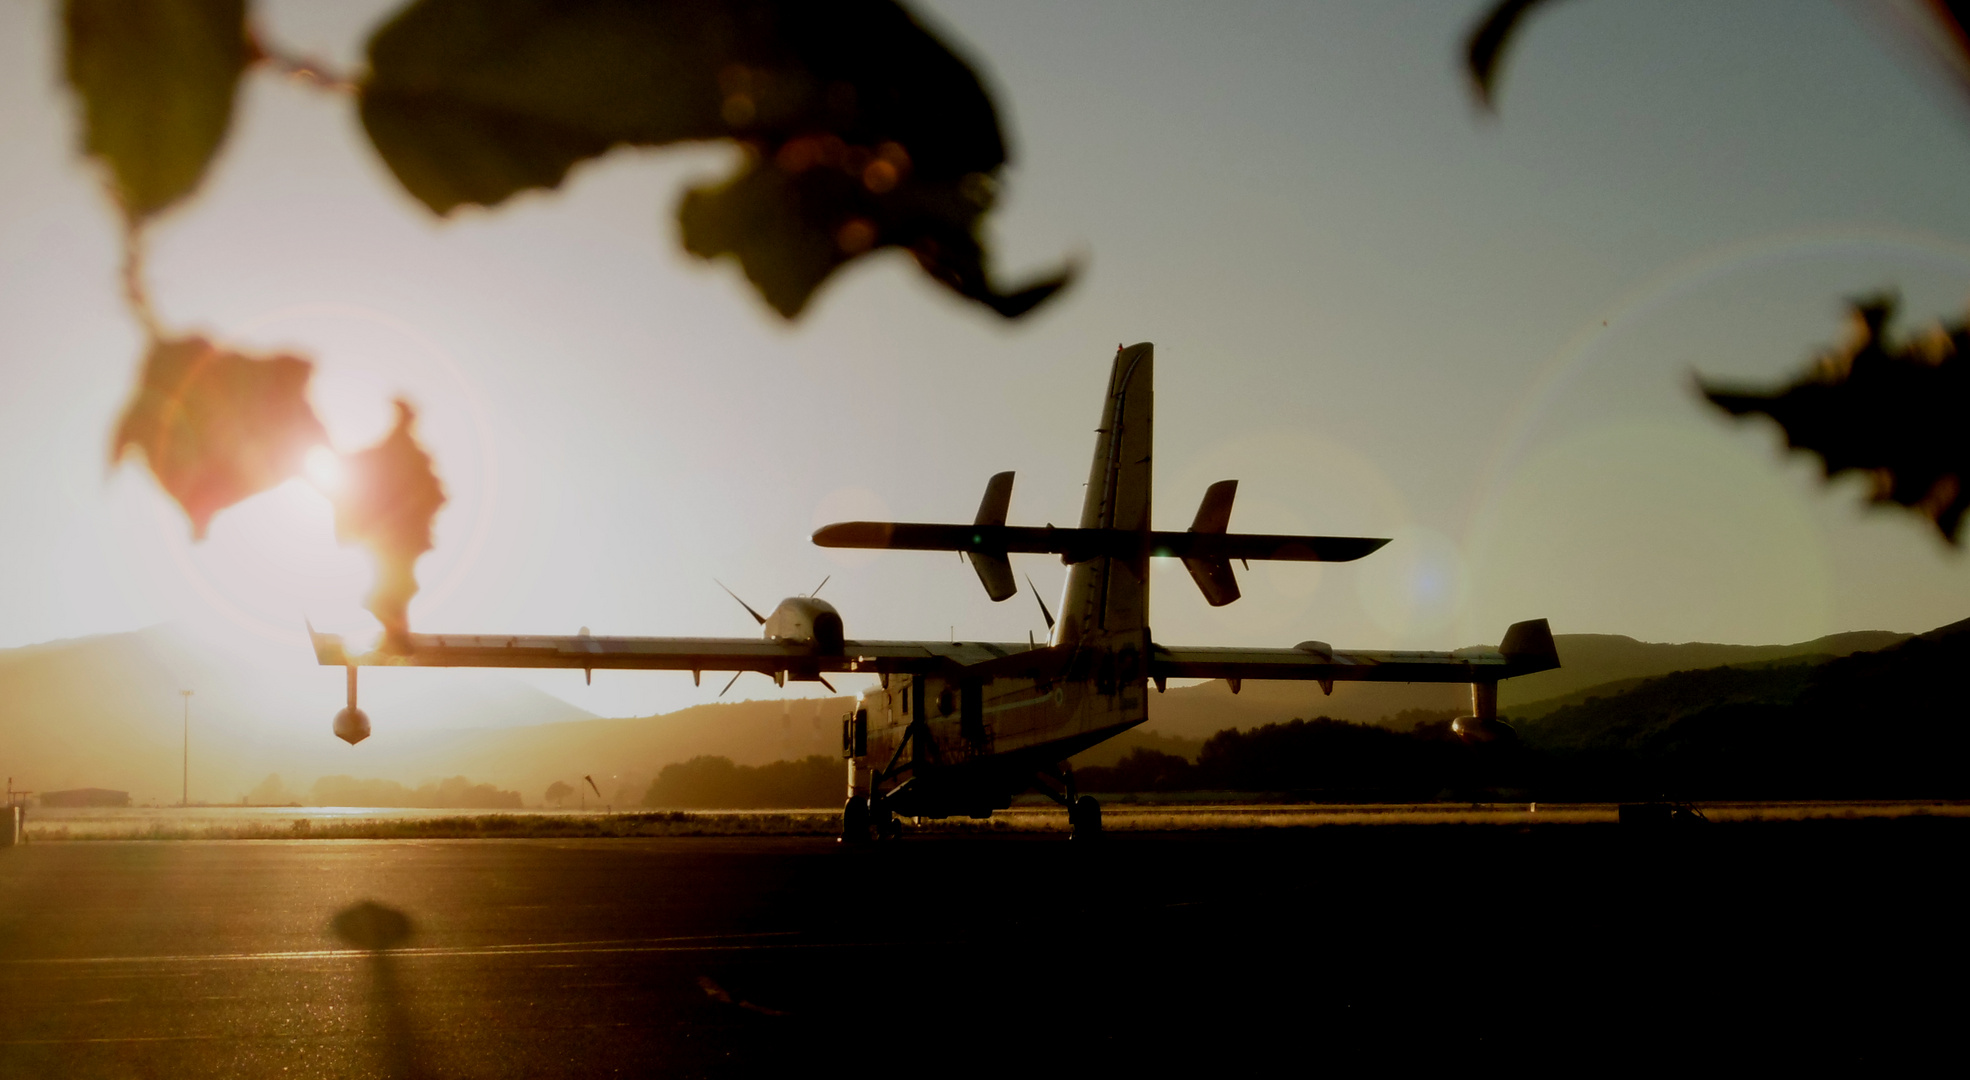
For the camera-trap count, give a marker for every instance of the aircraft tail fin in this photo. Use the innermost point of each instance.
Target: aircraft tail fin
(1108, 596)
(1529, 647)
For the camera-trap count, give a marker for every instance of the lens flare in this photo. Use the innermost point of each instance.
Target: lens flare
(324, 470)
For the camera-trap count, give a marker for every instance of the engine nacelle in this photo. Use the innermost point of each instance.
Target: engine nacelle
(352, 725)
(803, 620)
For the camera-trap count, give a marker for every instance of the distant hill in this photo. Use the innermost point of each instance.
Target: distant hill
(1589, 662)
(105, 712)
(1892, 723)
(624, 755)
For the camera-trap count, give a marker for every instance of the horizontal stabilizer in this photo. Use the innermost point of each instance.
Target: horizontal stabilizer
(1080, 545)
(1214, 513)
(994, 571)
(1213, 575)
(998, 499)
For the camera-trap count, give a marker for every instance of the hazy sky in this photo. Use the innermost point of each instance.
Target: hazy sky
(1380, 313)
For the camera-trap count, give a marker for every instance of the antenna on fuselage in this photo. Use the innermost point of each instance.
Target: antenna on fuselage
(756, 616)
(822, 585)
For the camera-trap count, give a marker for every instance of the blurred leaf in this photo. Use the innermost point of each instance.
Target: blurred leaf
(863, 131)
(387, 500)
(1892, 409)
(218, 426)
(156, 79)
(1941, 28)
(1936, 29)
(1484, 50)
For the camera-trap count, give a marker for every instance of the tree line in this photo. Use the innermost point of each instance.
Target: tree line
(457, 793)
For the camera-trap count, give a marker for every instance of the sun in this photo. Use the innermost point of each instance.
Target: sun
(323, 468)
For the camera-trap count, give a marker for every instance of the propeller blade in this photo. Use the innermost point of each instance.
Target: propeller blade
(1044, 613)
(592, 787)
(756, 616)
(818, 588)
(728, 686)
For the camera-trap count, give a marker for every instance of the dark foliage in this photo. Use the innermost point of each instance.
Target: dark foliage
(862, 130)
(156, 82)
(715, 783)
(1484, 50)
(1140, 770)
(1322, 758)
(1891, 409)
(457, 793)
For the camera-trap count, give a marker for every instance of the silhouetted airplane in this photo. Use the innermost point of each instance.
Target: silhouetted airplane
(960, 727)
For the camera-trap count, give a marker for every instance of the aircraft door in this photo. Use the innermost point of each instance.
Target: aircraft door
(855, 734)
(971, 717)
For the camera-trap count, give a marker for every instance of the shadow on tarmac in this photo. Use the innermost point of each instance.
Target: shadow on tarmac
(377, 929)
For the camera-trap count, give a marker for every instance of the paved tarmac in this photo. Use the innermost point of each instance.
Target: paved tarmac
(1585, 947)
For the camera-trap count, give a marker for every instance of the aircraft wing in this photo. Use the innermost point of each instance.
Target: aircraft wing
(664, 653)
(1528, 647)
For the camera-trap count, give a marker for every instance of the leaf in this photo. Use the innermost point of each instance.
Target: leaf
(1937, 30)
(863, 131)
(1892, 409)
(387, 501)
(217, 426)
(156, 79)
(1484, 50)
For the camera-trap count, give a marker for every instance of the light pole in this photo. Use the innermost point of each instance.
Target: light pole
(185, 797)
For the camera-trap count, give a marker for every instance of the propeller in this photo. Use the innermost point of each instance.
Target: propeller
(1044, 613)
(756, 616)
(592, 787)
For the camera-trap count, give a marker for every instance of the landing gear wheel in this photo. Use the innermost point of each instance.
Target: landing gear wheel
(855, 821)
(1085, 817)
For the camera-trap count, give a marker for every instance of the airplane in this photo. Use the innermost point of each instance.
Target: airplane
(958, 728)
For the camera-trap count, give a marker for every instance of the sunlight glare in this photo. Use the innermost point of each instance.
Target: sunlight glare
(324, 470)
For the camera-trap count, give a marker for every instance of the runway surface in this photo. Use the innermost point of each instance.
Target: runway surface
(1583, 946)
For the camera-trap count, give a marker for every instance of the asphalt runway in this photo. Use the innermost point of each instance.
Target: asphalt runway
(1584, 947)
